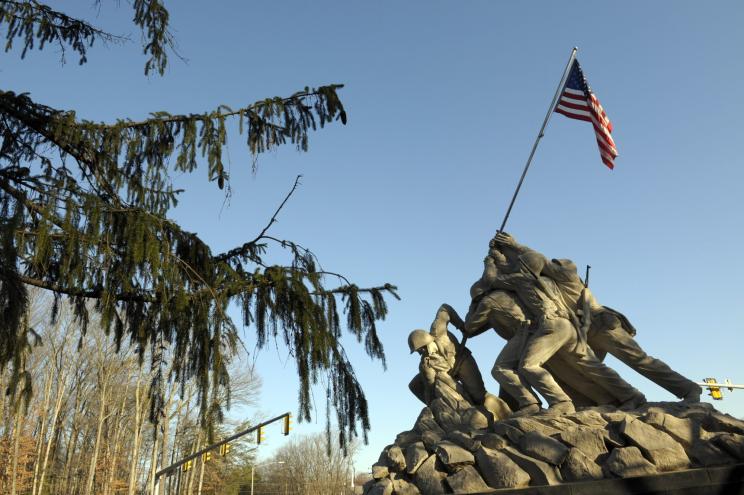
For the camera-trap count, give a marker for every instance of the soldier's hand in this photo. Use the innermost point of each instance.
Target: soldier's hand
(504, 239)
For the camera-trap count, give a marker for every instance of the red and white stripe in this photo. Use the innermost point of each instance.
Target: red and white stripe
(576, 104)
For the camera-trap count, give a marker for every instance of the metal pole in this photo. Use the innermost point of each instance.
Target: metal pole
(540, 135)
(217, 444)
(252, 480)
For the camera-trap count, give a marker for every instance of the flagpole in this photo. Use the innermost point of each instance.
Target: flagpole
(540, 135)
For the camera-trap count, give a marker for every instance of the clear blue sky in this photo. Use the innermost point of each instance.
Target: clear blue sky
(444, 101)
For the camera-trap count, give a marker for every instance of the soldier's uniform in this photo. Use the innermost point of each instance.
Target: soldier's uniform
(555, 334)
(610, 331)
(452, 359)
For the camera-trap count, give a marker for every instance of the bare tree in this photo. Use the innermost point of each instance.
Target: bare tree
(310, 465)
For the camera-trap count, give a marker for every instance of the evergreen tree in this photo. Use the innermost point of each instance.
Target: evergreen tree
(84, 214)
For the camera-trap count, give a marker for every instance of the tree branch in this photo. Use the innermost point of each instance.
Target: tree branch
(246, 246)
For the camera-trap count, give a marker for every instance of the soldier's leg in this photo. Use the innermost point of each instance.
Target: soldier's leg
(504, 371)
(472, 380)
(418, 387)
(607, 378)
(623, 346)
(553, 335)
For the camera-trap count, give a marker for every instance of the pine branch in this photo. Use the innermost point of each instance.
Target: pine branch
(34, 22)
(84, 213)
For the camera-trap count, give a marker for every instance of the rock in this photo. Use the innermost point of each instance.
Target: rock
(453, 456)
(614, 416)
(463, 440)
(382, 487)
(447, 417)
(578, 467)
(396, 461)
(508, 431)
(720, 422)
(588, 417)
(526, 425)
(660, 448)
(491, 440)
(541, 473)
(466, 480)
(403, 487)
(683, 430)
(415, 455)
(431, 440)
(612, 436)
(380, 471)
(589, 441)
(426, 422)
(707, 454)
(731, 443)
(428, 479)
(406, 438)
(474, 419)
(499, 471)
(626, 462)
(542, 447)
(559, 423)
(367, 486)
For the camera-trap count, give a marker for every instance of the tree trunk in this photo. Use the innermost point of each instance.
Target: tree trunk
(153, 461)
(96, 445)
(138, 420)
(53, 431)
(42, 424)
(16, 442)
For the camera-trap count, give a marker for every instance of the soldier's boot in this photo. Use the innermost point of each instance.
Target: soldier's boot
(527, 410)
(693, 396)
(634, 402)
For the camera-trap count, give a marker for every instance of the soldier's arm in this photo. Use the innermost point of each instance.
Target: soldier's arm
(445, 315)
(535, 260)
(508, 281)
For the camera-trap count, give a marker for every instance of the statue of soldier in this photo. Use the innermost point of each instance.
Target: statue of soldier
(557, 333)
(607, 330)
(501, 310)
(610, 331)
(444, 358)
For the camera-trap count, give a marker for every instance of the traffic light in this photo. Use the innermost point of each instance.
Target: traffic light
(287, 424)
(224, 449)
(715, 392)
(187, 465)
(206, 456)
(260, 437)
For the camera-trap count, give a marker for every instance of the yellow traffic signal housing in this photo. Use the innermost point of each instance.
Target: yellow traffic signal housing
(287, 424)
(224, 449)
(187, 465)
(715, 392)
(260, 437)
(206, 456)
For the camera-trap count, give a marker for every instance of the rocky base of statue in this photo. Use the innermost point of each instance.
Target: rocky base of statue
(455, 449)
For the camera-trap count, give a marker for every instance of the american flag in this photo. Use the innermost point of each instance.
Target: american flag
(578, 102)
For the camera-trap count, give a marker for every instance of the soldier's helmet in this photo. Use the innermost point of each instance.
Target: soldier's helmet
(418, 339)
(565, 263)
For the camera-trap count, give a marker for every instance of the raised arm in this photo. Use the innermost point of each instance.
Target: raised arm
(446, 314)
